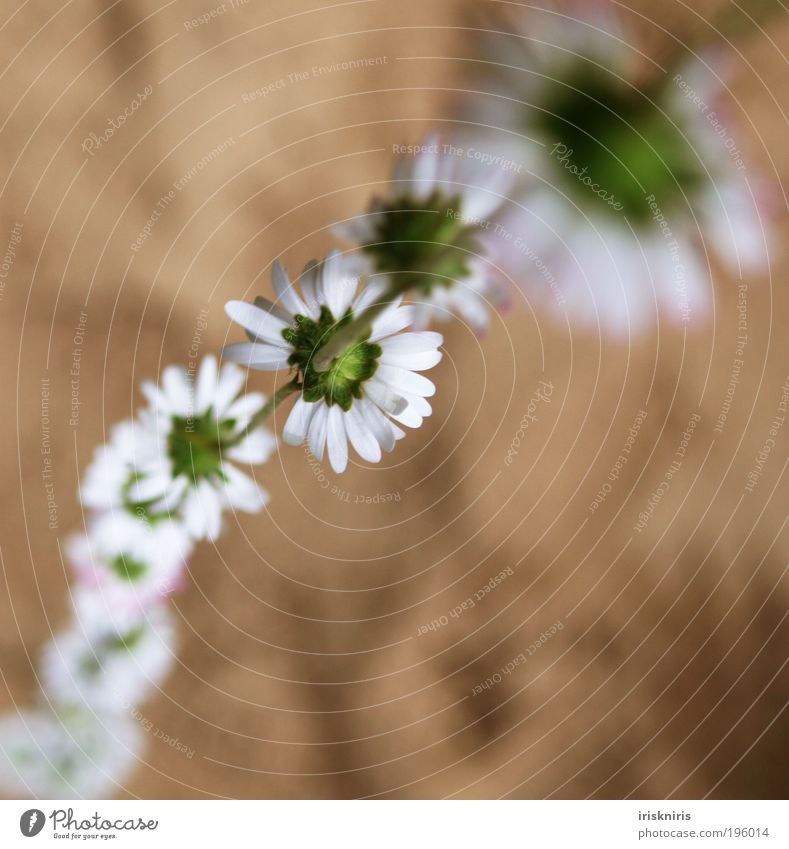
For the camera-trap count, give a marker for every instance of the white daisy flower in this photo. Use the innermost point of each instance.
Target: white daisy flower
(107, 659)
(176, 459)
(430, 234)
(74, 754)
(364, 393)
(129, 561)
(629, 184)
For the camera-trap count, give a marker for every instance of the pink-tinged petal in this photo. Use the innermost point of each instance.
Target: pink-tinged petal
(337, 439)
(260, 324)
(361, 435)
(298, 422)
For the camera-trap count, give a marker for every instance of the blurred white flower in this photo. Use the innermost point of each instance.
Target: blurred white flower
(624, 190)
(74, 754)
(430, 233)
(176, 459)
(360, 395)
(130, 561)
(107, 658)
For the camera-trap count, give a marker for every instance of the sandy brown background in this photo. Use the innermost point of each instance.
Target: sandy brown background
(300, 671)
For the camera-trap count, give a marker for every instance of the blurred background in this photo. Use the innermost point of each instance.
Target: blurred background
(655, 649)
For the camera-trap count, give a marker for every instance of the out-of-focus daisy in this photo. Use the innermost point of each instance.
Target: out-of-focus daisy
(625, 188)
(107, 659)
(128, 560)
(364, 391)
(71, 754)
(176, 460)
(430, 233)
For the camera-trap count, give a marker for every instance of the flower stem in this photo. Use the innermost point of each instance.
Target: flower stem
(265, 411)
(357, 328)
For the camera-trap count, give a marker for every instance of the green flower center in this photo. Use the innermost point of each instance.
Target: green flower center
(342, 381)
(195, 446)
(625, 147)
(93, 663)
(423, 244)
(128, 568)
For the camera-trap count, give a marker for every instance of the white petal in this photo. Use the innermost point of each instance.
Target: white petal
(206, 384)
(408, 343)
(379, 425)
(425, 171)
(372, 293)
(415, 362)
(420, 404)
(338, 285)
(230, 383)
(392, 321)
(257, 447)
(383, 396)
(361, 435)
(298, 422)
(243, 408)
(241, 492)
(178, 390)
(149, 488)
(285, 290)
(410, 416)
(202, 512)
(171, 498)
(257, 355)
(337, 439)
(309, 288)
(260, 324)
(316, 435)
(154, 395)
(471, 307)
(359, 230)
(402, 380)
(272, 309)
